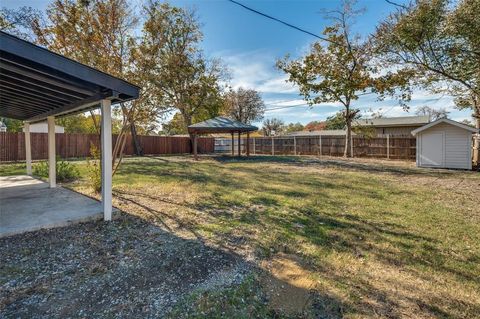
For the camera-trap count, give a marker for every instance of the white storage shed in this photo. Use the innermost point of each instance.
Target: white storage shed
(444, 144)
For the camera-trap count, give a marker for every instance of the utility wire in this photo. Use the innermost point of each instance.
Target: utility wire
(297, 105)
(279, 21)
(285, 107)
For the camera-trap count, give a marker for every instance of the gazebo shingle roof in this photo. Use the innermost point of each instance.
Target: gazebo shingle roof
(220, 124)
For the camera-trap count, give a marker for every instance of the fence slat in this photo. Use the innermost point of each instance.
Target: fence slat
(377, 147)
(12, 145)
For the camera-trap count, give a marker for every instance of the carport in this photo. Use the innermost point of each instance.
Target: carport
(37, 85)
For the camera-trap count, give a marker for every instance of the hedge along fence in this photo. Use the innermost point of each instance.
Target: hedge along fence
(12, 145)
(377, 147)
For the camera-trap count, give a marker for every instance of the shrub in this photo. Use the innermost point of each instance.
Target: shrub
(94, 169)
(65, 171)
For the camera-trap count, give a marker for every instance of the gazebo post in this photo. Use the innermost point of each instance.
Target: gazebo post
(248, 143)
(52, 178)
(195, 146)
(28, 148)
(233, 145)
(239, 144)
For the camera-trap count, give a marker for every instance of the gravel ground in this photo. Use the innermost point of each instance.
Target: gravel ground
(123, 269)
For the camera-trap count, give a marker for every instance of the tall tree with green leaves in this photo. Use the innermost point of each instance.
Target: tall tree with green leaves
(339, 70)
(437, 44)
(293, 127)
(183, 79)
(335, 122)
(101, 34)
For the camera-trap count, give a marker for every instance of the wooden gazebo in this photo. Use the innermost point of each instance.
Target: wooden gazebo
(222, 125)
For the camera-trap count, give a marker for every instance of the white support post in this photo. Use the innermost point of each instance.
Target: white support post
(254, 146)
(294, 145)
(388, 146)
(28, 148)
(52, 177)
(106, 139)
(273, 146)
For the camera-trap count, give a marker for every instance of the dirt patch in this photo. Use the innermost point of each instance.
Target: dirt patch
(123, 269)
(288, 285)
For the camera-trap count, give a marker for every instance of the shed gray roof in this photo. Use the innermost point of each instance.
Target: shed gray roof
(393, 121)
(447, 121)
(221, 124)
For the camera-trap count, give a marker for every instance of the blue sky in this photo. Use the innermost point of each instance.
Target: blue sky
(250, 44)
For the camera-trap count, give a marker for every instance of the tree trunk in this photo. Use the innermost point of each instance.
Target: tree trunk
(95, 124)
(137, 148)
(348, 137)
(188, 121)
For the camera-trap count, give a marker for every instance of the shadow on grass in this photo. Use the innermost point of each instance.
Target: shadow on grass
(131, 268)
(339, 163)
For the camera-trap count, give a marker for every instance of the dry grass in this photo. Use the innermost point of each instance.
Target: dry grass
(378, 239)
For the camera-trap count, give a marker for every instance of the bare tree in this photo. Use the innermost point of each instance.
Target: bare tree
(272, 127)
(244, 105)
(433, 114)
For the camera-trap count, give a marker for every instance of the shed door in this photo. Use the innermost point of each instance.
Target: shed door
(432, 149)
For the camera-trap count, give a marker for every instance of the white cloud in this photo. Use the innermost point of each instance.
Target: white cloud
(256, 70)
(277, 84)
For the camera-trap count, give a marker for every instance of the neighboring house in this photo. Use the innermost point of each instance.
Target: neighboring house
(444, 143)
(393, 125)
(318, 133)
(42, 127)
(3, 127)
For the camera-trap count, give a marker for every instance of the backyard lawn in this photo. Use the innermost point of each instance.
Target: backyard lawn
(263, 237)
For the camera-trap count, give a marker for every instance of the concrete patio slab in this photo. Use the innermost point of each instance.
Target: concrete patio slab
(28, 204)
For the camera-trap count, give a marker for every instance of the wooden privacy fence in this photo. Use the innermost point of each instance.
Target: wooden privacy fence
(377, 147)
(12, 145)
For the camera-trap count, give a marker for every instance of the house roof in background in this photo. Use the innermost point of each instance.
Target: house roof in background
(393, 121)
(448, 121)
(36, 83)
(318, 133)
(220, 124)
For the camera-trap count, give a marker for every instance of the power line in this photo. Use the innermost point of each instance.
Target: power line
(298, 105)
(285, 107)
(282, 101)
(280, 21)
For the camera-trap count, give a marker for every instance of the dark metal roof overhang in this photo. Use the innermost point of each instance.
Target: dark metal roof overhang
(36, 83)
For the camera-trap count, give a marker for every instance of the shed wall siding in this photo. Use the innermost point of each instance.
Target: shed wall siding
(457, 145)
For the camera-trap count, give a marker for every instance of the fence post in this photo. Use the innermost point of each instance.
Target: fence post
(273, 147)
(254, 146)
(388, 146)
(351, 144)
(320, 144)
(294, 145)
